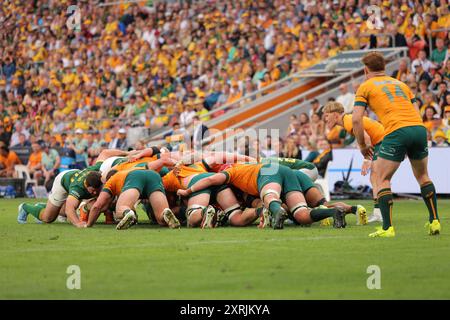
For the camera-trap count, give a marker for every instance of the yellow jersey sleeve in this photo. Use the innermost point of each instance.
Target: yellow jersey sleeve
(348, 123)
(362, 96)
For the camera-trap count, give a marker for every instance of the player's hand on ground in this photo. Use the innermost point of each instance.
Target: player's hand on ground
(366, 167)
(182, 193)
(81, 224)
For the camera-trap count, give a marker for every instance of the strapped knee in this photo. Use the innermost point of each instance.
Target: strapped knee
(231, 211)
(194, 208)
(299, 206)
(270, 191)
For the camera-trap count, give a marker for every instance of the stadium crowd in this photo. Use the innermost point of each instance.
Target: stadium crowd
(80, 90)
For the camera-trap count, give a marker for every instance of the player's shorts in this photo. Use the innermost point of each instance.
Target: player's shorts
(58, 194)
(376, 150)
(145, 181)
(212, 191)
(304, 181)
(411, 141)
(312, 173)
(283, 176)
(110, 162)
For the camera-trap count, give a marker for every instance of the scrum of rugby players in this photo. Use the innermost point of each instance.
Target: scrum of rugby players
(206, 190)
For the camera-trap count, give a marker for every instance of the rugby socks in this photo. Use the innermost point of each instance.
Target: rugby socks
(429, 197)
(34, 209)
(320, 214)
(259, 211)
(375, 204)
(386, 202)
(274, 206)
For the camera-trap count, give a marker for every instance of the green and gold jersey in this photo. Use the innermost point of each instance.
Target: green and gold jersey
(68, 178)
(294, 164)
(119, 161)
(77, 187)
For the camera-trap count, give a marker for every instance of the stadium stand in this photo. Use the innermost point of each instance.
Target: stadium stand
(134, 71)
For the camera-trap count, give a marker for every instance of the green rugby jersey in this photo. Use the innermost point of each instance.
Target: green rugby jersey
(77, 188)
(294, 164)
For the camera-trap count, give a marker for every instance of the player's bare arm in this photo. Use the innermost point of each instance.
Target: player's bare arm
(214, 180)
(108, 153)
(158, 164)
(100, 205)
(358, 130)
(72, 204)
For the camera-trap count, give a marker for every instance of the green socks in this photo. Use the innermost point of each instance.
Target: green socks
(34, 209)
(320, 214)
(429, 196)
(274, 206)
(375, 203)
(385, 201)
(259, 211)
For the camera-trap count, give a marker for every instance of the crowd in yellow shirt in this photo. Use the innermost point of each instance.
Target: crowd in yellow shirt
(130, 63)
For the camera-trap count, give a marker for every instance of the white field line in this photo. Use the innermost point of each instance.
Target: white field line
(176, 245)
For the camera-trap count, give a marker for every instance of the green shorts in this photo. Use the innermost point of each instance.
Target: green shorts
(376, 150)
(411, 141)
(304, 181)
(212, 191)
(145, 181)
(279, 174)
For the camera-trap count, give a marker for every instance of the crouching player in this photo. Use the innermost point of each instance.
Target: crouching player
(314, 198)
(130, 186)
(373, 136)
(270, 182)
(69, 188)
(199, 213)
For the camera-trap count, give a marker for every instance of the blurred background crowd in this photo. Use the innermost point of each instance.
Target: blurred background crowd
(67, 93)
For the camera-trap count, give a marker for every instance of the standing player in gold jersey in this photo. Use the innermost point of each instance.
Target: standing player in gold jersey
(393, 103)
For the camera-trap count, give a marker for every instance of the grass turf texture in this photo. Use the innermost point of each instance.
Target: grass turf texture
(149, 262)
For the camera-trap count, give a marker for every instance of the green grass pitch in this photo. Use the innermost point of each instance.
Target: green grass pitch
(149, 262)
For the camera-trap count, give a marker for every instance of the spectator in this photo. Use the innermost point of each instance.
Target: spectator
(447, 118)
(5, 131)
(122, 143)
(304, 144)
(315, 108)
(22, 142)
(325, 156)
(291, 150)
(200, 109)
(440, 139)
(268, 149)
(439, 54)
(291, 129)
(8, 159)
(80, 146)
(398, 39)
(19, 129)
(422, 62)
(317, 126)
(346, 98)
(427, 117)
(50, 164)
(436, 124)
(200, 132)
(429, 102)
(403, 71)
(187, 116)
(35, 161)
